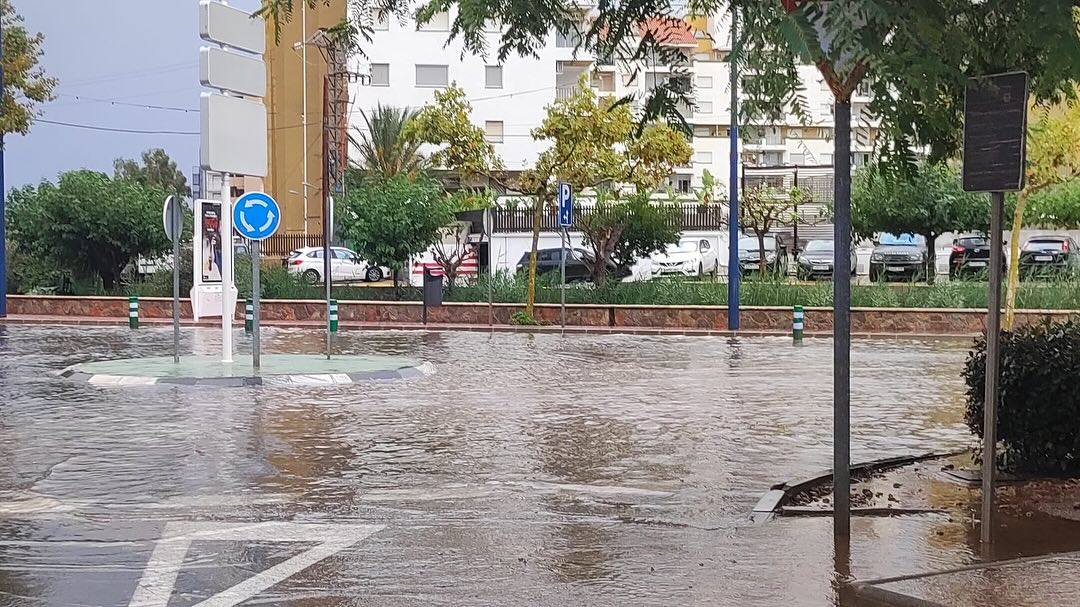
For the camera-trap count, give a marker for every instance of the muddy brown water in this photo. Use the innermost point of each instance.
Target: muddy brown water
(527, 470)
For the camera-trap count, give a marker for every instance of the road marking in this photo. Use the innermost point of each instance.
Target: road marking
(159, 578)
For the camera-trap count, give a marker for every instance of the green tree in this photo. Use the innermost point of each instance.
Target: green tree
(460, 145)
(928, 202)
(623, 230)
(390, 220)
(382, 145)
(26, 85)
(764, 208)
(596, 142)
(155, 170)
(89, 223)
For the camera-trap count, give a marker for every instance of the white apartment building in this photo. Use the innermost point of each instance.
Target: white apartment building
(408, 63)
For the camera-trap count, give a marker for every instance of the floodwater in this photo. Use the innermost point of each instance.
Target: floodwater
(527, 470)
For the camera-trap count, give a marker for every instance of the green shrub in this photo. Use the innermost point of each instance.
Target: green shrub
(1039, 412)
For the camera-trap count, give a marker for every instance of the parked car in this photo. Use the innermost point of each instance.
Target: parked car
(816, 260)
(898, 256)
(970, 255)
(750, 255)
(578, 262)
(1050, 255)
(687, 258)
(345, 266)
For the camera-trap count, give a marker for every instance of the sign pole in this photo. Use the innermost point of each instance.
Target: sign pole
(256, 266)
(178, 225)
(733, 188)
(226, 270)
(562, 271)
(993, 356)
(488, 229)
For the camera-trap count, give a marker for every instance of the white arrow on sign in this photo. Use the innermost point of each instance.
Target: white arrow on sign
(269, 220)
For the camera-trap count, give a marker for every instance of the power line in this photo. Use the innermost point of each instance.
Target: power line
(128, 104)
(108, 129)
(141, 73)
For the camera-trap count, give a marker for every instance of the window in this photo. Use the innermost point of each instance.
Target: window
(315, 254)
(567, 39)
(432, 75)
(704, 82)
(343, 254)
(703, 245)
(380, 74)
(382, 21)
(604, 82)
(681, 183)
(703, 157)
(703, 131)
(493, 131)
(798, 158)
(493, 76)
(439, 22)
(704, 107)
(772, 158)
(826, 158)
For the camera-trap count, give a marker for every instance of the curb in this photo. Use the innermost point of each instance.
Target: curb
(316, 379)
(774, 500)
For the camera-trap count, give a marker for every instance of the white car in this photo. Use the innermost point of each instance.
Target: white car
(687, 258)
(345, 266)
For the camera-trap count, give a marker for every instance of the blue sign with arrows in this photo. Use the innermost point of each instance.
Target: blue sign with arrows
(256, 216)
(566, 205)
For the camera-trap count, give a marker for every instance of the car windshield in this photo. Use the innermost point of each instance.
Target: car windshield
(683, 247)
(751, 244)
(819, 246)
(908, 240)
(1044, 245)
(973, 241)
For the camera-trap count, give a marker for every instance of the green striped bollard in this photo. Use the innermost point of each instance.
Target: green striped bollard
(133, 312)
(249, 317)
(333, 316)
(797, 324)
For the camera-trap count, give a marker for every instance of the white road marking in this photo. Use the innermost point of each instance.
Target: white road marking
(159, 578)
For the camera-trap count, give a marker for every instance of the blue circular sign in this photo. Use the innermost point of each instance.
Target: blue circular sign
(256, 216)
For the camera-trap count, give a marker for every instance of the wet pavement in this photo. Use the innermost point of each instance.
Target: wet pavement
(526, 470)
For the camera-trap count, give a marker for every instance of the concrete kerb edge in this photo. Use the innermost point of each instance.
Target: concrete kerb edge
(870, 589)
(773, 501)
(305, 379)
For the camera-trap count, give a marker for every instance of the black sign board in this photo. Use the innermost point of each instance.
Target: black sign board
(995, 129)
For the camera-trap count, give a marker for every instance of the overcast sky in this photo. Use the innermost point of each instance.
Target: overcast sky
(139, 52)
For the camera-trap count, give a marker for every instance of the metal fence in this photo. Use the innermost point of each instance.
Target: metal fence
(689, 216)
(279, 245)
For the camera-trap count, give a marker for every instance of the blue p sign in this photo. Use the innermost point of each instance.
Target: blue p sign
(256, 216)
(566, 205)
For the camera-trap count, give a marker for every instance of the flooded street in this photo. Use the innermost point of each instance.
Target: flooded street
(526, 470)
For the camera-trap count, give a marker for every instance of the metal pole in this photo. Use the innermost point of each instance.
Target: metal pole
(304, 118)
(489, 223)
(733, 184)
(256, 268)
(842, 321)
(3, 223)
(328, 277)
(565, 238)
(993, 355)
(795, 220)
(178, 225)
(226, 270)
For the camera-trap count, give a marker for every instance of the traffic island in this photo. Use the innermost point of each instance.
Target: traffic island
(275, 370)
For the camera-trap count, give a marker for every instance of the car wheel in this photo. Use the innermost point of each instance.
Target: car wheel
(311, 277)
(373, 274)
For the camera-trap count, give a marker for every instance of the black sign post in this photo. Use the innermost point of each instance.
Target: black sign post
(432, 291)
(995, 137)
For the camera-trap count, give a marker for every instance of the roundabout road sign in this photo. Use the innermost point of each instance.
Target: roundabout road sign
(256, 216)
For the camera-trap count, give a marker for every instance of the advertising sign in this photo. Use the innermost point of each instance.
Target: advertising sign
(210, 230)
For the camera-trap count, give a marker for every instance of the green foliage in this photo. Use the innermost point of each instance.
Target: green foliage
(26, 85)
(389, 220)
(461, 146)
(1039, 410)
(156, 170)
(522, 318)
(1057, 206)
(88, 224)
(382, 146)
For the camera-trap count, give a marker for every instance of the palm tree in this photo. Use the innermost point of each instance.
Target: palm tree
(383, 149)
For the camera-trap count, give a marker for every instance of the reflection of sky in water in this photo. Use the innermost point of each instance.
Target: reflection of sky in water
(527, 470)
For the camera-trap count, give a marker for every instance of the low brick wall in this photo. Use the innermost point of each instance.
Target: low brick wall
(775, 319)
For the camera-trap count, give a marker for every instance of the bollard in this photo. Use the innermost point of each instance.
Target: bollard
(133, 312)
(333, 316)
(249, 317)
(797, 324)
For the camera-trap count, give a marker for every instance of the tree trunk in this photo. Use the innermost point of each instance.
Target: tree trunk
(762, 265)
(931, 258)
(1014, 261)
(109, 279)
(397, 282)
(538, 216)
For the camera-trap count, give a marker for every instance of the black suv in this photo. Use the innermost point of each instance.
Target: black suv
(902, 257)
(1049, 255)
(971, 255)
(578, 264)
